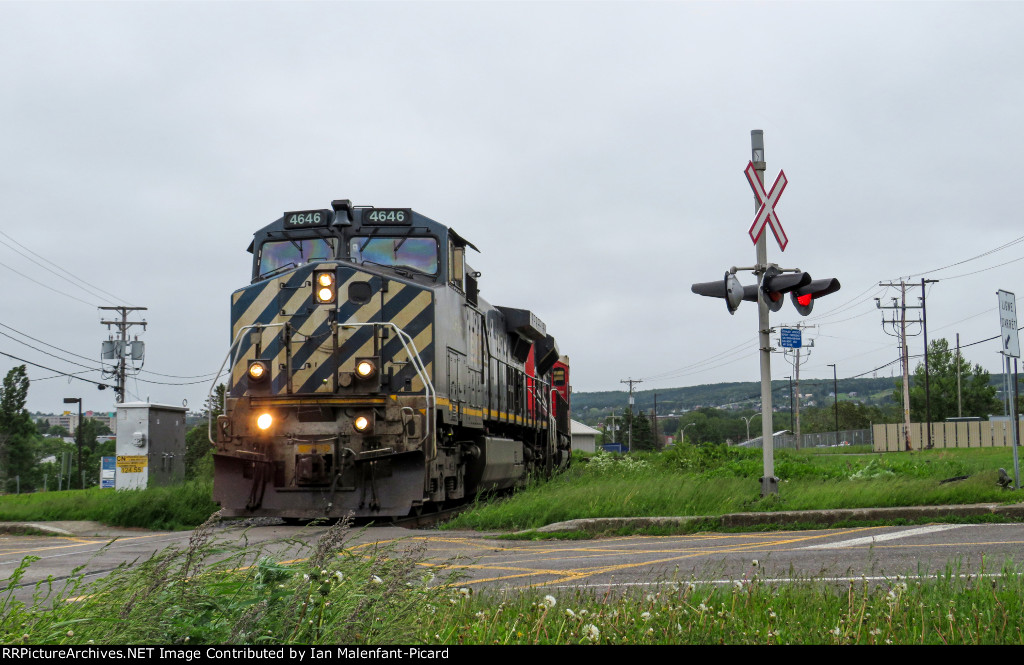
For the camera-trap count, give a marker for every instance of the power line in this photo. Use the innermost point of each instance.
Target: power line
(66, 272)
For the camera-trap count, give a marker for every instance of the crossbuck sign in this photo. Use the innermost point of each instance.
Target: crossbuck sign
(766, 213)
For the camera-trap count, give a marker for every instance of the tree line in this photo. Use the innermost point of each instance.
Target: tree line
(951, 387)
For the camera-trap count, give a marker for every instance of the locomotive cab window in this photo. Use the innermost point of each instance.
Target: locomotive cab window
(418, 254)
(279, 255)
(558, 377)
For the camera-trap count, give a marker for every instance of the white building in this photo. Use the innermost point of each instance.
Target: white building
(584, 438)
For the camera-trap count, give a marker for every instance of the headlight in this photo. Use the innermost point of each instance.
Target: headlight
(365, 368)
(362, 424)
(264, 421)
(258, 371)
(323, 287)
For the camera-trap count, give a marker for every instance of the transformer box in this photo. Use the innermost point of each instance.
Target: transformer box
(150, 445)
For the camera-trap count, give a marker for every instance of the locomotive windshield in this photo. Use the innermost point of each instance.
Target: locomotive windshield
(282, 254)
(419, 254)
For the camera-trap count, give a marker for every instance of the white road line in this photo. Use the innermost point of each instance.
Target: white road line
(868, 540)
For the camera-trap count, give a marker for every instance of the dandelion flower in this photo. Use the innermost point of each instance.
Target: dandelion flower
(339, 575)
(754, 563)
(569, 613)
(646, 616)
(464, 592)
(592, 632)
(549, 601)
(376, 580)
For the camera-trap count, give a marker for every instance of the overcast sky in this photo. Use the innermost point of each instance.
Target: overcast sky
(594, 152)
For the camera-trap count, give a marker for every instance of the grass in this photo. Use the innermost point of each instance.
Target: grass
(332, 593)
(210, 593)
(716, 480)
(171, 508)
(216, 593)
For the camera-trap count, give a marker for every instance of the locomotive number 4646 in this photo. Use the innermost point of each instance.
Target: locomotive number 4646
(388, 216)
(306, 218)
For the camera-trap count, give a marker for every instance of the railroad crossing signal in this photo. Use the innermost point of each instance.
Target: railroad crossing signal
(728, 288)
(804, 297)
(775, 284)
(766, 213)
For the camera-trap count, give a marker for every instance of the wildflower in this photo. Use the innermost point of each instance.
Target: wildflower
(771, 613)
(592, 632)
(338, 574)
(875, 631)
(646, 616)
(323, 572)
(479, 615)
(549, 601)
(464, 592)
(305, 577)
(376, 580)
(739, 584)
(71, 633)
(835, 631)
(569, 613)
(702, 607)
(754, 563)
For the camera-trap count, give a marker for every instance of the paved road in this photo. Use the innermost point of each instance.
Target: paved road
(875, 553)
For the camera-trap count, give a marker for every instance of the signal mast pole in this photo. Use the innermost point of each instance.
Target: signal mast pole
(769, 483)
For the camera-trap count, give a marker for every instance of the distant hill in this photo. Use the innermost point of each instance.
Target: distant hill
(743, 395)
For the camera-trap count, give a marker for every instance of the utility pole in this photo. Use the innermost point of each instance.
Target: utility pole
(835, 400)
(629, 442)
(122, 347)
(654, 422)
(795, 408)
(959, 401)
(792, 422)
(927, 388)
(904, 353)
(613, 428)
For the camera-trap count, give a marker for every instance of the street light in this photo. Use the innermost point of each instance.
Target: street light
(682, 433)
(78, 434)
(835, 402)
(747, 421)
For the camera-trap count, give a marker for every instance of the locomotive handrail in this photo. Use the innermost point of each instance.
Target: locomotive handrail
(421, 371)
(229, 356)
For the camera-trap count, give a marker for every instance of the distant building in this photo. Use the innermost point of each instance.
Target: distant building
(584, 437)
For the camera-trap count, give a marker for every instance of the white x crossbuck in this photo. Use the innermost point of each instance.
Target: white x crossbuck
(766, 213)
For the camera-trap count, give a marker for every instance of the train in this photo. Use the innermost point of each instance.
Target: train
(366, 376)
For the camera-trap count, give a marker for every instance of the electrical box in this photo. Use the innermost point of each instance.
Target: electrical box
(150, 445)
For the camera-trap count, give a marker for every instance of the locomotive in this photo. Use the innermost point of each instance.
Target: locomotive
(368, 378)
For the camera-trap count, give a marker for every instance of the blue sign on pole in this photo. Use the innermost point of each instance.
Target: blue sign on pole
(792, 338)
(108, 472)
